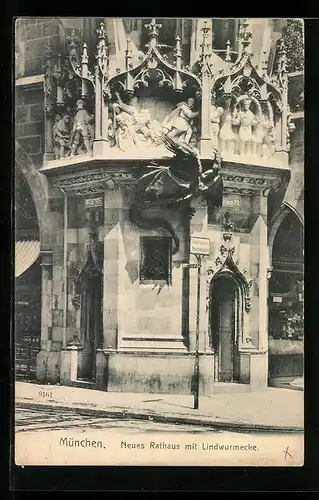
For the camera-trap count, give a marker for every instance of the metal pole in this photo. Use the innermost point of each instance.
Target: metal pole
(196, 365)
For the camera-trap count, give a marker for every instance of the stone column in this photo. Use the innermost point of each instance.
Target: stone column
(46, 314)
(205, 141)
(259, 310)
(113, 204)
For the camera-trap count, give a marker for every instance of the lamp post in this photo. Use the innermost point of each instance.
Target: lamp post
(198, 247)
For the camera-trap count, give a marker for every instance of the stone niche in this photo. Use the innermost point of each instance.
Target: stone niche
(239, 208)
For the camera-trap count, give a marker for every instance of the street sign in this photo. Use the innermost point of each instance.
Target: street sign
(190, 266)
(200, 246)
(94, 202)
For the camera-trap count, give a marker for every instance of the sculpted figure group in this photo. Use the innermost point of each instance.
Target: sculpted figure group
(134, 127)
(73, 134)
(245, 129)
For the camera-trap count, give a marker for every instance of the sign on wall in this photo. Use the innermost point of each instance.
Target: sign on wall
(200, 246)
(94, 202)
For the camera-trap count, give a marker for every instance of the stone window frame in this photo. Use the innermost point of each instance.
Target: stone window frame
(146, 280)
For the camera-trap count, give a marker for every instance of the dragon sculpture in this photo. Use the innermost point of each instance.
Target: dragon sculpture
(174, 185)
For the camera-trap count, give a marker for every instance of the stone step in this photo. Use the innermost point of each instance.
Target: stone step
(230, 387)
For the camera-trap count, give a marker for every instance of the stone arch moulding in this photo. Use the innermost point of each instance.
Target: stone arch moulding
(276, 221)
(230, 268)
(33, 178)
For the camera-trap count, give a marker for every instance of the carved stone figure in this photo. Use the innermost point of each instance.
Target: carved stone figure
(179, 123)
(133, 125)
(269, 139)
(246, 120)
(258, 132)
(216, 114)
(226, 135)
(82, 134)
(62, 135)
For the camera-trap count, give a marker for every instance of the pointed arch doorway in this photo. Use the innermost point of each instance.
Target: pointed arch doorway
(90, 288)
(225, 322)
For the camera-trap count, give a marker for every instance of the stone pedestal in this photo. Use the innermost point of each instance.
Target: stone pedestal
(69, 364)
(42, 366)
(258, 370)
(53, 367)
(101, 369)
(101, 147)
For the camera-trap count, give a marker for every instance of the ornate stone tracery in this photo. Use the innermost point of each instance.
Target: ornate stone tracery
(238, 110)
(249, 108)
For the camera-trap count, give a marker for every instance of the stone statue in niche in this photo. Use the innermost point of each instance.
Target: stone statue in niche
(82, 133)
(62, 135)
(226, 135)
(269, 136)
(215, 118)
(246, 120)
(179, 124)
(258, 132)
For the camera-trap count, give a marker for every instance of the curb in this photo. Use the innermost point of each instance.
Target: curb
(129, 414)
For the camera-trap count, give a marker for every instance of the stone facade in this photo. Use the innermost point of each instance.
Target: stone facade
(146, 337)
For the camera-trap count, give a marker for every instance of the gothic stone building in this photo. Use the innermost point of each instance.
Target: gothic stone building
(104, 296)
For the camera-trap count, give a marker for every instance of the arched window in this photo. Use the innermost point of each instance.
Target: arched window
(286, 282)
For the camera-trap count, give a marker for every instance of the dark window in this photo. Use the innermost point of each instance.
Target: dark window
(224, 30)
(155, 259)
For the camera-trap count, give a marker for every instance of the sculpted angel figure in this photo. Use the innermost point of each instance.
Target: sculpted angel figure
(179, 123)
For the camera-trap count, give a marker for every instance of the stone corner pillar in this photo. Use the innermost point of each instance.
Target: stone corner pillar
(46, 263)
(113, 243)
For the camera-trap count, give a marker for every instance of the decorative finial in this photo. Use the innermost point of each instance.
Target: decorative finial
(102, 51)
(245, 35)
(282, 56)
(282, 65)
(153, 32)
(178, 52)
(228, 87)
(128, 54)
(228, 227)
(228, 58)
(101, 32)
(85, 58)
(204, 45)
(264, 92)
(264, 64)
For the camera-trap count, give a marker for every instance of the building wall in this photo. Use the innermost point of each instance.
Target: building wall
(135, 314)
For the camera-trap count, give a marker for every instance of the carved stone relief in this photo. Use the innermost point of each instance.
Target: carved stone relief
(243, 126)
(134, 124)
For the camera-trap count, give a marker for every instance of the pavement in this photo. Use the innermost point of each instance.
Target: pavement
(268, 410)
